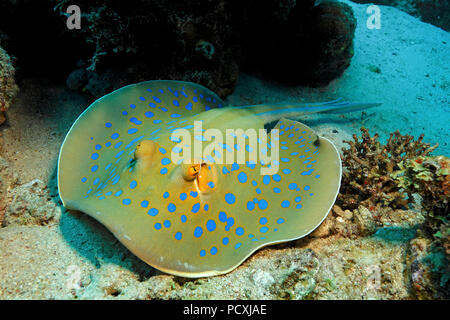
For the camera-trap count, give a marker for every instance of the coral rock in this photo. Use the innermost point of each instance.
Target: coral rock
(369, 167)
(30, 204)
(8, 87)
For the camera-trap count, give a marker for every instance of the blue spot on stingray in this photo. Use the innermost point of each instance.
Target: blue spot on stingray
(171, 207)
(84, 179)
(307, 188)
(132, 106)
(115, 136)
(157, 226)
(94, 168)
(194, 194)
(163, 171)
(222, 216)
(225, 170)
(198, 231)
(132, 130)
(238, 245)
(94, 156)
(264, 229)
(108, 125)
(183, 196)
(133, 141)
(183, 218)
(242, 177)
(293, 186)
(178, 235)
(156, 99)
(235, 166)
(263, 220)
(189, 106)
(276, 177)
(285, 204)
(115, 180)
(225, 240)
(213, 250)
(135, 120)
(200, 138)
(149, 114)
(175, 115)
(298, 199)
(211, 184)
(286, 171)
(175, 139)
(280, 221)
(126, 201)
(118, 193)
(258, 190)
(165, 161)
(153, 212)
(266, 179)
(239, 231)
(230, 222)
(107, 144)
(162, 150)
(163, 109)
(262, 204)
(96, 181)
(276, 190)
(119, 153)
(211, 225)
(195, 207)
(230, 198)
(307, 173)
(98, 147)
(202, 253)
(166, 195)
(144, 204)
(157, 121)
(250, 205)
(251, 164)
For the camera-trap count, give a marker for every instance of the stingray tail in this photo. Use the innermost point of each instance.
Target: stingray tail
(277, 111)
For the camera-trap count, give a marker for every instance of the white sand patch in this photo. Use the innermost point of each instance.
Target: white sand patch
(414, 82)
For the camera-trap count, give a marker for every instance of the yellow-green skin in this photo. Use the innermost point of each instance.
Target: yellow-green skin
(132, 220)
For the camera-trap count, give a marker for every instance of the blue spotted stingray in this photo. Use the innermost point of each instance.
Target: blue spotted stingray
(197, 217)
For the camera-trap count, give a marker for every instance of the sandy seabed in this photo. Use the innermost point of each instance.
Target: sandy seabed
(404, 65)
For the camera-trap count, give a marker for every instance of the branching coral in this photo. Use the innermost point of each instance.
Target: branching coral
(8, 87)
(429, 177)
(368, 167)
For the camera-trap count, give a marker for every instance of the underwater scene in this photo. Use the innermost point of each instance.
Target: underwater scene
(224, 150)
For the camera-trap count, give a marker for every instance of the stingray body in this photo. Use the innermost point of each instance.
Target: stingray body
(202, 216)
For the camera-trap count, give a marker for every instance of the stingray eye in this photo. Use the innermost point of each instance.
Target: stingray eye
(191, 171)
